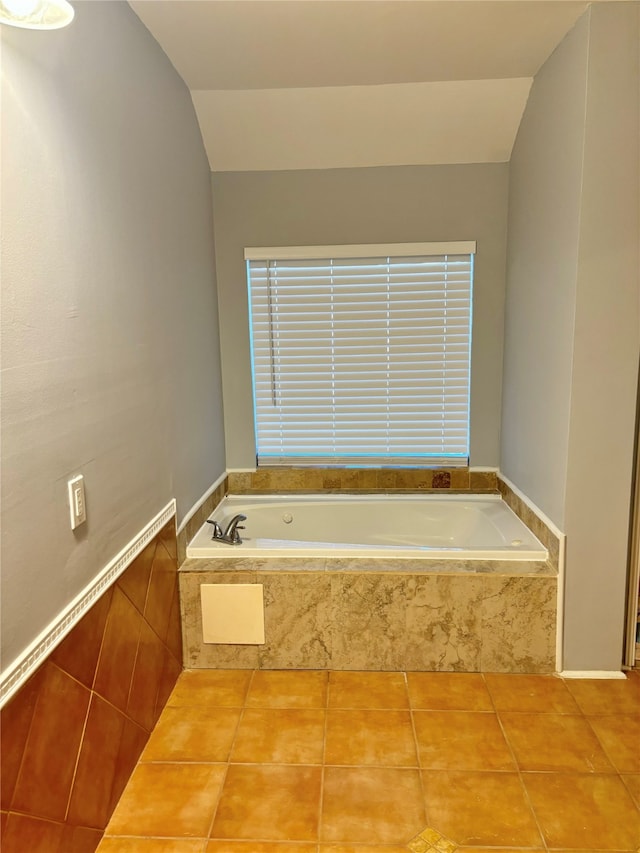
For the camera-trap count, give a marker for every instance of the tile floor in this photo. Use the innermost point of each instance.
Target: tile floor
(345, 762)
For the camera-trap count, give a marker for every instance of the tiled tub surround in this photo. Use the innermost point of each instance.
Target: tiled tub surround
(376, 614)
(538, 526)
(268, 480)
(190, 527)
(73, 733)
(291, 480)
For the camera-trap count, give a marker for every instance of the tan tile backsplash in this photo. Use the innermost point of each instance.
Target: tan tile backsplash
(186, 534)
(373, 480)
(535, 524)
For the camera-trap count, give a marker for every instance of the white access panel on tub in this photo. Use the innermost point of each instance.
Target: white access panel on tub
(232, 613)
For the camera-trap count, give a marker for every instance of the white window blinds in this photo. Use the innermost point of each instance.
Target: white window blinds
(361, 358)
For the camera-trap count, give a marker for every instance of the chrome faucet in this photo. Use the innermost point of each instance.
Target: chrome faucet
(230, 535)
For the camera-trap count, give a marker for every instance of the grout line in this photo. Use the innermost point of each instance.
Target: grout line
(324, 757)
(519, 772)
(417, 748)
(80, 744)
(227, 763)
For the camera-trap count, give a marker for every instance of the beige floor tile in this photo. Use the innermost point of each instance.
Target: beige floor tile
(259, 847)
(461, 740)
(448, 691)
(288, 689)
(270, 803)
(632, 781)
(174, 800)
(193, 733)
(571, 740)
(480, 808)
(382, 738)
(538, 694)
(215, 688)
(620, 738)
(362, 848)
(280, 736)
(554, 742)
(606, 696)
(152, 845)
(584, 810)
(371, 805)
(368, 690)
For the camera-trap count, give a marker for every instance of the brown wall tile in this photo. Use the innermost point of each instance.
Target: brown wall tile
(31, 834)
(162, 590)
(44, 782)
(170, 672)
(174, 631)
(168, 538)
(15, 723)
(67, 777)
(119, 649)
(147, 674)
(80, 839)
(78, 653)
(134, 581)
(132, 741)
(89, 805)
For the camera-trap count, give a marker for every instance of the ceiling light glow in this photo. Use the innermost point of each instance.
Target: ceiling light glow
(36, 14)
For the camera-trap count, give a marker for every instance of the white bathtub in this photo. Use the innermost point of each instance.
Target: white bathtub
(455, 527)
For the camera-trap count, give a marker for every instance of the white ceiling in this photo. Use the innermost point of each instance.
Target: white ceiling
(303, 84)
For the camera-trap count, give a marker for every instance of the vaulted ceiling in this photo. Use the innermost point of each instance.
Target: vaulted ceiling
(304, 84)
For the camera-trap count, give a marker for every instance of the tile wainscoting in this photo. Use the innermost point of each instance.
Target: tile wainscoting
(71, 736)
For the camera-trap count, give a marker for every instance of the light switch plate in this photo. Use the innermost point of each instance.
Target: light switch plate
(77, 506)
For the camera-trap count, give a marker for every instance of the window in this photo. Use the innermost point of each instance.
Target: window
(361, 354)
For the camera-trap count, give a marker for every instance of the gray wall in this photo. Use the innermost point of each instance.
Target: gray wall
(110, 362)
(545, 184)
(377, 205)
(572, 316)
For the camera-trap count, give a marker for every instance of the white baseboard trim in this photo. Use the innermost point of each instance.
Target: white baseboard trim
(35, 654)
(593, 673)
(194, 509)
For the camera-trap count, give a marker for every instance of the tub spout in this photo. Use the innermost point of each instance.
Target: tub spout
(231, 534)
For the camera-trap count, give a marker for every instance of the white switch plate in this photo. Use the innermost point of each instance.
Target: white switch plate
(77, 507)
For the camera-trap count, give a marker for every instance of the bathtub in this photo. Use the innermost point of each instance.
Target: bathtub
(454, 527)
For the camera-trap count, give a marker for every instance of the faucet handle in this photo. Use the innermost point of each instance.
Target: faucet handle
(217, 530)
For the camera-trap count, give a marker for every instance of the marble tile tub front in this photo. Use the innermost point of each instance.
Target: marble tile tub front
(324, 615)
